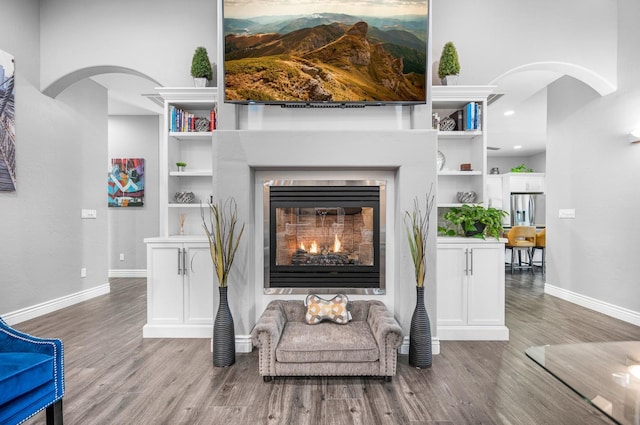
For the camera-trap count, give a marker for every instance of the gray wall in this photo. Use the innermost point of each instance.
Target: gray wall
(61, 146)
(592, 167)
(504, 163)
(134, 137)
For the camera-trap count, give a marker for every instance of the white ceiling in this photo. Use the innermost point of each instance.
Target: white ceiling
(129, 94)
(523, 92)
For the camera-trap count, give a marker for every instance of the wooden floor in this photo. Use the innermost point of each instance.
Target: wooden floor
(114, 376)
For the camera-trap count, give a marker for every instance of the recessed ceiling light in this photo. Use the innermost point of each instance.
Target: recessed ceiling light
(517, 147)
(509, 113)
(635, 370)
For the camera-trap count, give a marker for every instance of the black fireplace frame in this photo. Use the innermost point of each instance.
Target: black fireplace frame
(353, 279)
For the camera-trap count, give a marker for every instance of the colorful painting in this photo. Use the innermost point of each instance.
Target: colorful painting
(7, 124)
(126, 182)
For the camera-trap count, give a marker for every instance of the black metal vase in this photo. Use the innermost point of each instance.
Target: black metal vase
(224, 340)
(420, 334)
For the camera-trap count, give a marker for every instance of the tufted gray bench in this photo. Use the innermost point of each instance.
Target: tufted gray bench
(288, 346)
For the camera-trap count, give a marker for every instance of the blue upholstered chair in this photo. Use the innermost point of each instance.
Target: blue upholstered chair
(31, 376)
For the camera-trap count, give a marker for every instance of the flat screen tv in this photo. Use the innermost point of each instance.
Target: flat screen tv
(309, 52)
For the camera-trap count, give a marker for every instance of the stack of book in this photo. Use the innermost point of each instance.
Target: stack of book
(182, 121)
(472, 116)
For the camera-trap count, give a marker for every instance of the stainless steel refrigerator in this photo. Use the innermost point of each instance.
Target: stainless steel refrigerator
(527, 209)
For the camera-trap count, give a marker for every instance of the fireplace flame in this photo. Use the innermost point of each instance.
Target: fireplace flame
(314, 248)
(336, 244)
(302, 246)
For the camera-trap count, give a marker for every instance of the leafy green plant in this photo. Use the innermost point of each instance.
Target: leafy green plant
(462, 221)
(522, 169)
(416, 224)
(200, 64)
(181, 164)
(220, 228)
(449, 63)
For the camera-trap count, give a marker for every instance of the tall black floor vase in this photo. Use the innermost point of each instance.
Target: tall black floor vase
(224, 340)
(420, 334)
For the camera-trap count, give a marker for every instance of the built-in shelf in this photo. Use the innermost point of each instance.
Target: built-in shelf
(191, 173)
(459, 173)
(191, 135)
(459, 134)
(178, 205)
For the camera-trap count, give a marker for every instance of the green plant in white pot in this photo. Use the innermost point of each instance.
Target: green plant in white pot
(449, 67)
(201, 70)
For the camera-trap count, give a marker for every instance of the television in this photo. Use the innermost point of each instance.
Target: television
(325, 52)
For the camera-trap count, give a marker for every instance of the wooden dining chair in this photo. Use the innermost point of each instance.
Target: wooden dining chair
(521, 238)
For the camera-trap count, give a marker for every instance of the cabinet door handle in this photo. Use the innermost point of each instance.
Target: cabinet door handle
(179, 263)
(471, 268)
(466, 261)
(184, 261)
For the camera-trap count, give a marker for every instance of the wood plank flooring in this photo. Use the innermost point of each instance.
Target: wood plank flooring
(114, 376)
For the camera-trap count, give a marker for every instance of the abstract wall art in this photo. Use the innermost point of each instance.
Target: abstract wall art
(126, 182)
(7, 124)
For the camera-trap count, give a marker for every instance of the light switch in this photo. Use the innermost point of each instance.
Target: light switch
(89, 213)
(567, 213)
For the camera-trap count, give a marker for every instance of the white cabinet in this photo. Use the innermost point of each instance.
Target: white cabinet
(470, 289)
(524, 182)
(180, 289)
(184, 140)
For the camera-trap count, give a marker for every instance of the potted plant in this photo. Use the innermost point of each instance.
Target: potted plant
(181, 165)
(417, 227)
(449, 67)
(474, 221)
(201, 67)
(522, 169)
(220, 227)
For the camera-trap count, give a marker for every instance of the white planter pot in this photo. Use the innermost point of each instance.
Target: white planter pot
(450, 80)
(200, 82)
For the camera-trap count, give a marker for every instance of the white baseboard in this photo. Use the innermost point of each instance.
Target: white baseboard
(435, 345)
(46, 307)
(603, 307)
(140, 273)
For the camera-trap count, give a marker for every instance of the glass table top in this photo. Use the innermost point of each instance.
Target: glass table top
(605, 374)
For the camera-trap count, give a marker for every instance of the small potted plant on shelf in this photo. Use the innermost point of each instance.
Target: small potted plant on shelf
(522, 169)
(181, 165)
(201, 67)
(449, 67)
(473, 221)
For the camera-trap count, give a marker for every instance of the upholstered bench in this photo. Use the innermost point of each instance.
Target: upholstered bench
(31, 377)
(289, 346)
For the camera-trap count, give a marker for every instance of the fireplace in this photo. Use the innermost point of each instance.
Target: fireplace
(324, 236)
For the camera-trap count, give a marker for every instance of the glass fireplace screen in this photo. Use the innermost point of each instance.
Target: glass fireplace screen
(324, 236)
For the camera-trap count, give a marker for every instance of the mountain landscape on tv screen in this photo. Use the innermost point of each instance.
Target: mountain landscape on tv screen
(325, 58)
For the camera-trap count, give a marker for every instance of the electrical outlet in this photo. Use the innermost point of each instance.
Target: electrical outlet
(121, 257)
(83, 272)
(567, 213)
(92, 214)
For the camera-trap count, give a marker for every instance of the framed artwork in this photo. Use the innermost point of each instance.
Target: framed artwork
(126, 182)
(7, 124)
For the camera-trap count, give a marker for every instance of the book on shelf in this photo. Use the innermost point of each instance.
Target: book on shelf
(472, 116)
(181, 121)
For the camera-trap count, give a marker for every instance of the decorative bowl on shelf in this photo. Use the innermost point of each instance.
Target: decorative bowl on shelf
(467, 197)
(184, 197)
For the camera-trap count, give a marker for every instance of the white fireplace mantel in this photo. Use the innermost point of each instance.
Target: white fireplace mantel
(405, 158)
